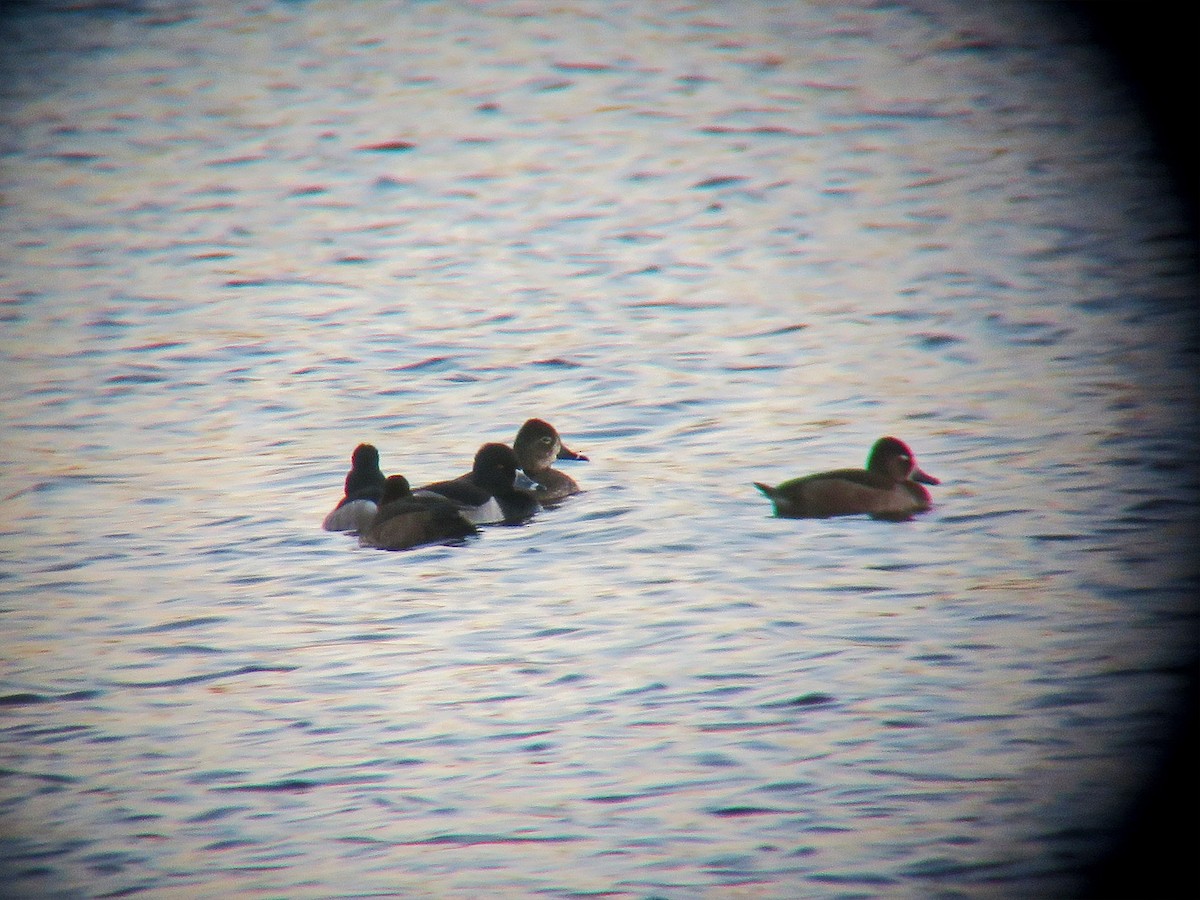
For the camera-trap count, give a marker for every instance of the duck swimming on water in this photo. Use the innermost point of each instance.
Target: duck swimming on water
(887, 488)
(486, 495)
(537, 447)
(364, 488)
(405, 521)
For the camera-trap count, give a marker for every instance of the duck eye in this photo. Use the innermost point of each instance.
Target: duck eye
(547, 441)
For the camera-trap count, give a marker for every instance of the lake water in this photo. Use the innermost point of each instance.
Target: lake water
(713, 244)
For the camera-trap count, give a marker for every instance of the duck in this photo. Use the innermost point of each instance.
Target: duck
(487, 494)
(537, 446)
(364, 488)
(887, 488)
(404, 521)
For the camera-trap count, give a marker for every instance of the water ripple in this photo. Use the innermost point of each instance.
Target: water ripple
(199, 679)
(709, 259)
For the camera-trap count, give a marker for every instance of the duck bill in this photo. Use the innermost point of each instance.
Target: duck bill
(564, 452)
(923, 477)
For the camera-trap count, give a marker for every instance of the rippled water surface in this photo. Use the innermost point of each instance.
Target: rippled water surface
(713, 244)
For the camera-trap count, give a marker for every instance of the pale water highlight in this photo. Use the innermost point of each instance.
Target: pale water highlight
(712, 244)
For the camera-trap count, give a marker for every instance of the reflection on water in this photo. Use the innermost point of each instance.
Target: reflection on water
(712, 245)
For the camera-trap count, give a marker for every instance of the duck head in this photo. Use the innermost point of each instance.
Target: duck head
(891, 457)
(537, 445)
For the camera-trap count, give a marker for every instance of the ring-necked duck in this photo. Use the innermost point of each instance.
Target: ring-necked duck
(537, 445)
(364, 488)
(486, 495)
(405, 520)
(886, 489)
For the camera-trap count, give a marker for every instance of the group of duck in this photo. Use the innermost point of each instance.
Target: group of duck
(387, 513)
